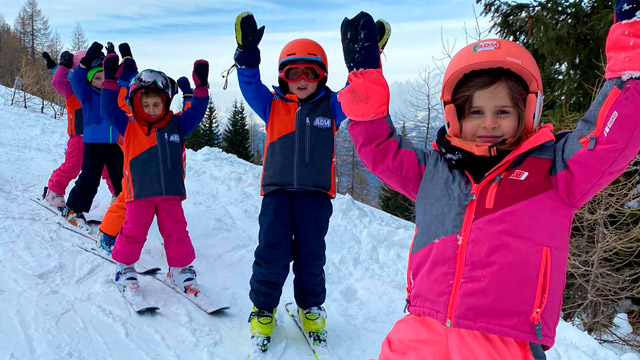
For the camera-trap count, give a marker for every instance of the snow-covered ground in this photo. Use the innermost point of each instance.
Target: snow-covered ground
(58, 302)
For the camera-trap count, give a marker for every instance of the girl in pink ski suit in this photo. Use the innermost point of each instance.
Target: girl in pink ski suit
(72, 164)
(495, 199)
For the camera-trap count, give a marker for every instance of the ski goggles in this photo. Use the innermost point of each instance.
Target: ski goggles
(153, 77)
(296, 72)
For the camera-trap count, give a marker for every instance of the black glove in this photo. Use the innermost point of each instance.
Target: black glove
(94, 52)
(110, 66)
(248, 36)
(360, 42)
(174, 86)
(384, 31)
(110, 48)
(185, 87)
(66, 59)
(125, 50)
(201, 73)
(50, 63)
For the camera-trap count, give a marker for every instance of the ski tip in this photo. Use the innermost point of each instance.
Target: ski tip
(148, 310)
(217, 310)
(150, 271)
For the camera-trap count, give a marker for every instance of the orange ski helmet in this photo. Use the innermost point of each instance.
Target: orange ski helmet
(487, 54)
(303, 49)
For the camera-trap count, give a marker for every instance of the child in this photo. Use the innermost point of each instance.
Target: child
(70, 168)
(302, 116)
(154, 187)
(496, 198)
(100, 147)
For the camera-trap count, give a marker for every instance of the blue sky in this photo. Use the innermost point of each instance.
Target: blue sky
(171, 35)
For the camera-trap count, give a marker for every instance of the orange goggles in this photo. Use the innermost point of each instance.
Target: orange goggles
(296, 72)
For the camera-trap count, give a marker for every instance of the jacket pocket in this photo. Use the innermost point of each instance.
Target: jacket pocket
(542, 291)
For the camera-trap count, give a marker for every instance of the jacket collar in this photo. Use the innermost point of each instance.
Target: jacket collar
(293, 98)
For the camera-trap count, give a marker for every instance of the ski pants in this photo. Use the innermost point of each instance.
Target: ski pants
(94, 158)
(71, 166)
(114, 217)
(172, 225)
(293, 225)
(422, 338)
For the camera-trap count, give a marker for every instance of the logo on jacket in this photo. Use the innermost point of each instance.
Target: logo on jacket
(519, 175)
(322, 122)
(174, 138)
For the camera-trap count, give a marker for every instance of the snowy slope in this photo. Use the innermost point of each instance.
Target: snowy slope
(58, 302)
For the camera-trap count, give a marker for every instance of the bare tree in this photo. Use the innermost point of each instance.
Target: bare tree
(32, 28)
(55, 45)
(424, 105)
(78, 39)
(11, 52)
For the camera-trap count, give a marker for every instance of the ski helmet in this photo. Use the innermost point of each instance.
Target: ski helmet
(302, 50)
(77, 56)
(487, 54)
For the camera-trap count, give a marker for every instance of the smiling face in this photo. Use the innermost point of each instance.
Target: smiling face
(302, 89)
(492, 117)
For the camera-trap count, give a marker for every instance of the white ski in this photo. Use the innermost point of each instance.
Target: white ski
(321, 351)
(140, 269)
(202, 301)
(134, 298)
(89, 231)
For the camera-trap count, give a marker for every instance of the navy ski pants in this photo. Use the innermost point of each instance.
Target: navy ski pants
(293, 225)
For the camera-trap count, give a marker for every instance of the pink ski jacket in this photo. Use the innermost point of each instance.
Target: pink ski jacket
(492, 256)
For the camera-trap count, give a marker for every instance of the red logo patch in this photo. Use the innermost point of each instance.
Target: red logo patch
(519, 175)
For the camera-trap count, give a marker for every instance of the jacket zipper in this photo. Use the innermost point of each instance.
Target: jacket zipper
(126, 172)
(491, 194)
(308, 141)
(542, 291)
(295, 153)
(409, 274)
(166, 147)
(462, 253)
(158, 138)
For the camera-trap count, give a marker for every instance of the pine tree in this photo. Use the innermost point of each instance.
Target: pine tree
(396, 204)
(32, 28)
(236, 138)
(209, 128)
(78, 39)
(194, 139)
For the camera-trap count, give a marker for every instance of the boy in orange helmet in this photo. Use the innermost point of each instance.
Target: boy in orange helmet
(302, 116)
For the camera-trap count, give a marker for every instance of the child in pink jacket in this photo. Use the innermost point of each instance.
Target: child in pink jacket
(496, 197)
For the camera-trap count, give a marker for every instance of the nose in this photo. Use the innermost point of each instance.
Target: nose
(490, 122)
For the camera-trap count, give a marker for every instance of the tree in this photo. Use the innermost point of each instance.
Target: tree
(395, 203)
(209, 128)
(236, 135)
(11, 53)
(78, 39)
(32, 28)
(55, 46)
(425, 106)
(352, 176)
(566, 37)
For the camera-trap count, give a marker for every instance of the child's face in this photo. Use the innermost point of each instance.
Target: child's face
(152, 104)
(492, 118)
(302, 89)
(98, 80)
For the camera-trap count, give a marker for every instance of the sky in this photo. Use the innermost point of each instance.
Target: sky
(171, 35)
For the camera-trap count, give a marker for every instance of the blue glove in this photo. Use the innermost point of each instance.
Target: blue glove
(627, 10)
(360, 42)
(248, 36)
(185, 87)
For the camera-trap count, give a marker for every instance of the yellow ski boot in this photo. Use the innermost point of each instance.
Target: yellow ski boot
(261, 324)
(314, 320)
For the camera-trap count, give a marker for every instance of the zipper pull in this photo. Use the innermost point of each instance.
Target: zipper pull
(539, 329)
(406, 306)
(307, 121)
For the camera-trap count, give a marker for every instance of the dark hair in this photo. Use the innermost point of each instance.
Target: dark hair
(151, 91)
(484, 79)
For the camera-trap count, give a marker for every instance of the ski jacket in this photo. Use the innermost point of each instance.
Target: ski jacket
(62, 86)
(96, 128)
(299, 152)
(153, 164)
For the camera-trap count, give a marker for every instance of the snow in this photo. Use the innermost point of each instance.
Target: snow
(59, 301)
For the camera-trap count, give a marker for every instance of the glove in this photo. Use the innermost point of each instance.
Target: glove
(200, 78)
(110, 48)
(128, 68)
(174, 86)
(66, 59)
(50, 63)
(248, 36)
(360, 42)
(94, 52)
(384, 32)
(627, 10)
(110, 66)
(185, 87)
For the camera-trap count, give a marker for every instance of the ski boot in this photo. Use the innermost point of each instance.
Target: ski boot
(184, 278)
(313, 322)
(53, 199)
(106, 242)
(126, 278)
(74, 218)
(261, 327)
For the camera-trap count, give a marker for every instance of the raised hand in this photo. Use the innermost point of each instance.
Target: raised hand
(384, 32)
(360, 42)
(248, 37)
(47, 58)
(93, 53)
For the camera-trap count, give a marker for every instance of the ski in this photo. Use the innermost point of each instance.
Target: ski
(320, 351)
(138, 303)
(140, 269)
(38, 200)
(274, 345)
(89, 231)
(202, 301)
